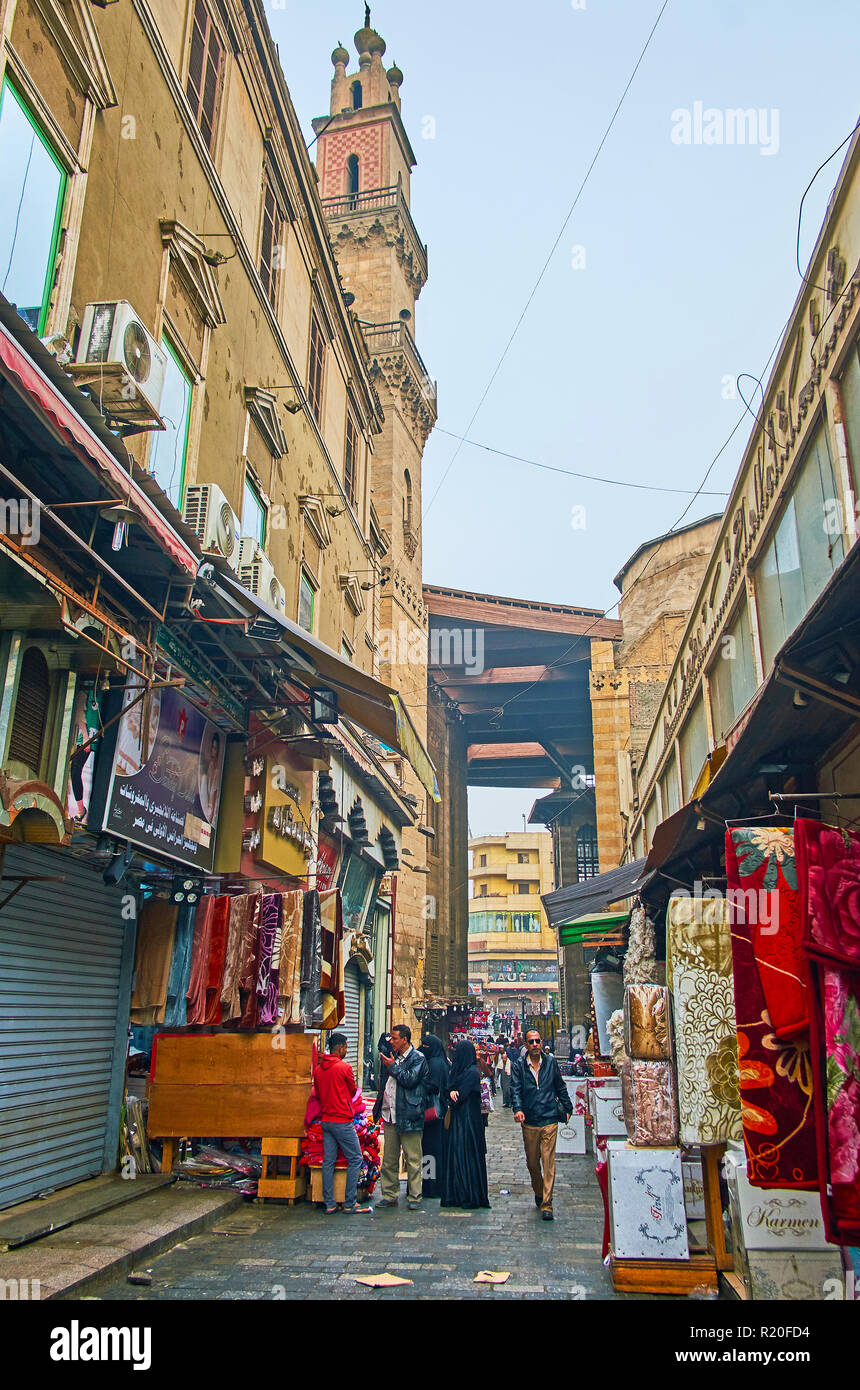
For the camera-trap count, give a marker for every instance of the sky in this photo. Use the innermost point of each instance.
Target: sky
(674, 275)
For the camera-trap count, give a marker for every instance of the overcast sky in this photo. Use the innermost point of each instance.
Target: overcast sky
(674, 275)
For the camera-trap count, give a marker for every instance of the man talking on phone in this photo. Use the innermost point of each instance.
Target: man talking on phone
(540, 1101)
(404, 1092)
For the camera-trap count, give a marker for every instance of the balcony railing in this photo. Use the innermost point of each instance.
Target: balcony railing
(371, 200)
(394, 337)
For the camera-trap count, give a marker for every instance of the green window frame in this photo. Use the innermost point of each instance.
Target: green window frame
(10, 92)
(307, 602)
(253, 522)
(176, 431)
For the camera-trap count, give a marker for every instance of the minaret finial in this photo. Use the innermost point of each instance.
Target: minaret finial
(367, 16)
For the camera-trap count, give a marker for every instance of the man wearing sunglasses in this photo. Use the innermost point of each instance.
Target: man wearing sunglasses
(540, 1102)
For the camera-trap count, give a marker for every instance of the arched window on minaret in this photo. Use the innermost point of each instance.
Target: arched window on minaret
(407, 500)
(357, 96)
(352, 175)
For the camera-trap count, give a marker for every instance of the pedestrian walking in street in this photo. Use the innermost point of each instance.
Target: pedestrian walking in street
(434, 1127)
(334, 1087)
(403, 1097)
(464, 1181)
(540, 1100)
(504, 1072)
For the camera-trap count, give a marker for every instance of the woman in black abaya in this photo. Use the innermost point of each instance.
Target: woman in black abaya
(464, 1182)
(434, 1130)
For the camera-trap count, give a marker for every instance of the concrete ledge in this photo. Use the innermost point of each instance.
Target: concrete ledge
(110, 1245)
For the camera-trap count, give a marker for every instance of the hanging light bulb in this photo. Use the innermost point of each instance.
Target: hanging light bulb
(121, 517)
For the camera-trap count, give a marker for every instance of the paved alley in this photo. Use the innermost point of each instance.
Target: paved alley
(298, 1253)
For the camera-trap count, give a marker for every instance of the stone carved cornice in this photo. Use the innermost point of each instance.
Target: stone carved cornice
(409, 595)
(394, 368)
(387, 229)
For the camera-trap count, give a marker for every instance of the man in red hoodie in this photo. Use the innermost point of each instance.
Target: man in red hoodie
(334, 1087)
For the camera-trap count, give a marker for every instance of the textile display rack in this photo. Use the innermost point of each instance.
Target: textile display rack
(750, 1055)
(649, 1239)
(228, 988)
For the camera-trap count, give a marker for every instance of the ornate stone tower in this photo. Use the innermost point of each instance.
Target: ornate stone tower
(364, 163)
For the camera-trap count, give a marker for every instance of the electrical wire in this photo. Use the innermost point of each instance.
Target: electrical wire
(581, 636)
(552, 252)
(824, 162)
(499, 712)
(571, 473)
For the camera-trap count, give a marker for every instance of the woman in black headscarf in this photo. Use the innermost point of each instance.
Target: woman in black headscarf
(464, 1182)
(434, 1130)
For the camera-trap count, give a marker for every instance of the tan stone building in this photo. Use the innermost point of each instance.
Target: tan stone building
(738, 717)
(187, 192)
(512, 949)
(658, 586)
(590, 821)
(365, 163)
(169, 209)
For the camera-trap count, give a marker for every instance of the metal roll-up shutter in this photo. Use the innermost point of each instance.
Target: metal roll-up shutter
(350, 1025)
(65, 976)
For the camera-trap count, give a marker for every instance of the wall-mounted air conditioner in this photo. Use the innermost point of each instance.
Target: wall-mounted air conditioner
(257, 573)
(207, 511)
(113, 335)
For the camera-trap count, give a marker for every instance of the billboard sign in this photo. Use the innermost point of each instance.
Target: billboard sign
(165, 784)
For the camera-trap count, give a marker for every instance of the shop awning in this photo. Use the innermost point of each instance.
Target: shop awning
(582, 899)
(361, 697)
(34, 374)
(603, 929)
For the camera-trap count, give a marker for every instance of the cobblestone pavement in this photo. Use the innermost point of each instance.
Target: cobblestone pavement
(299, 1253)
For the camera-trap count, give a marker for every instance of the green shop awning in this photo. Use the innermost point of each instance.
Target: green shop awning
(586, 931)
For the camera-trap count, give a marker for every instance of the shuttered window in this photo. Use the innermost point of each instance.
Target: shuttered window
(316, 369)
(350, 463)
(352, 1017)
(66, 956)
(205, 72)
(270, 243)
(31, 710)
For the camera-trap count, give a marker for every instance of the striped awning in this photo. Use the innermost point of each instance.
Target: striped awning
(604, 929)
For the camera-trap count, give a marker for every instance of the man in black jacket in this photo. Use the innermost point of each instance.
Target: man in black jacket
(404, 1095)
(540, 1100)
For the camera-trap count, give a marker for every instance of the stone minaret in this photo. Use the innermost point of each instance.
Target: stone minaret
(365, 163)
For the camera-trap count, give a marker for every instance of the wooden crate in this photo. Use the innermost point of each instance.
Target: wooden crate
(315, 1193)
(235, 1085)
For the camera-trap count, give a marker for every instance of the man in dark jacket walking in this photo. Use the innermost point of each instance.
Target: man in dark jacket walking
(402, 1100)
(540, 1100)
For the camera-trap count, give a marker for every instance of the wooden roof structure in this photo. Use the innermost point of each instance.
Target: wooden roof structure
(518, 671)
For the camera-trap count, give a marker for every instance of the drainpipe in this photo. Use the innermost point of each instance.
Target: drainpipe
(390, 1008)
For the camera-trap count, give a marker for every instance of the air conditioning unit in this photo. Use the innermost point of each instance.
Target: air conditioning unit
(207, 511)
(250, 553)
(112, 335)
(257, 573)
